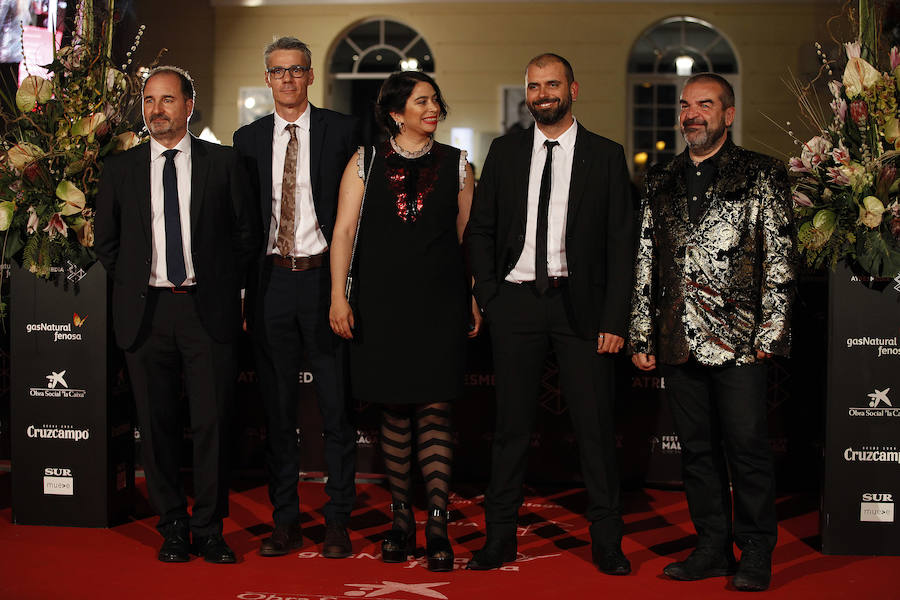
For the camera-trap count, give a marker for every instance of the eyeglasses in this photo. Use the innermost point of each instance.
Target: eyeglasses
(296, 71)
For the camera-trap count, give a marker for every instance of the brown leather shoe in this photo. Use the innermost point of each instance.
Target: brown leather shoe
(337, 541)
(284, 539)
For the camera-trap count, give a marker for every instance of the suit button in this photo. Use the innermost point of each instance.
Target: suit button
(147, 262)
(142, 295)
(521, 237)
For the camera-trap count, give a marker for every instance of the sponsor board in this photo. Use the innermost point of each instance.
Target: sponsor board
(58, 481)
(57, 387)
(650, 382)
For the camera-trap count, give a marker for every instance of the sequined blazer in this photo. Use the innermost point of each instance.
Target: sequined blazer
(719, 288)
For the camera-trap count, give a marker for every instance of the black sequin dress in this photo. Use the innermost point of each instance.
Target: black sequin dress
(413, 305)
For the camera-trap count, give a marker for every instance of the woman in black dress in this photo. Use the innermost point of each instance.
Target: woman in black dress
(413, 310)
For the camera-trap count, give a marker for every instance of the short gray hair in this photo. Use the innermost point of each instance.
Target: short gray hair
(287, 43)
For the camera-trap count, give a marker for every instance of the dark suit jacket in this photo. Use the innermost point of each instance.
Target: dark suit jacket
(720, 288)
(332, 141)
(599, 227)
(223, 236)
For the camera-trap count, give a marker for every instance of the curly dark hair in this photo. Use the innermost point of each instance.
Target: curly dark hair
(394, 93)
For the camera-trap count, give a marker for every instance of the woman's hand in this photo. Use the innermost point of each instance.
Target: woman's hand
(341, 317)
(477, 319)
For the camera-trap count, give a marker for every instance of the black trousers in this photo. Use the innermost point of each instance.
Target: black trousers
(293, 319)
(173, 343)
(524, 327)
(720, 418)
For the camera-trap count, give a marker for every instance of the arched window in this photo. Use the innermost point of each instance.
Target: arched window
(374, 49)
(662, 58)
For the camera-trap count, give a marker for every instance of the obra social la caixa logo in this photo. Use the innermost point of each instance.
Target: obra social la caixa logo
(60, 332)
(879, 405)
(877, 507)
(57, 387)
(362, 590)
(59, 481)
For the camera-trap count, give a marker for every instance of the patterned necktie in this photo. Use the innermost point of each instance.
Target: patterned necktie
(285, 241)
(175, 268)
(541, 279)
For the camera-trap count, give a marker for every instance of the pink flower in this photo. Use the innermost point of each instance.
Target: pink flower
(836, 175)
(797, 165)
(835, 87)
(33, 221)
(895, 58)
(56, 226)
(801, 199)
(859, 112)
(839, 107)
(841, 154)
(853, 49)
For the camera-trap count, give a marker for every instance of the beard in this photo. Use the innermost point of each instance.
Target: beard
(160, 125)
(705, 139)
(552, 115)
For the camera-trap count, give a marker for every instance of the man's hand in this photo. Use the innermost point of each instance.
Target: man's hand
(609, 343)
(644, 362)
(762, 355)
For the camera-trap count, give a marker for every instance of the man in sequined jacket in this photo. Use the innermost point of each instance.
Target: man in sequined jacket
(714, 282)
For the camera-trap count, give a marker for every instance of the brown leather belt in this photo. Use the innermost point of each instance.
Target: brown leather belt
(181, 289)
(299, 263)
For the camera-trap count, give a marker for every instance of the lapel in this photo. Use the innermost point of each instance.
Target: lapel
(140, 174)
(317, 127)
(676, 204)
(522, 164)
(199, 171)
(579, 177)
(264, 134)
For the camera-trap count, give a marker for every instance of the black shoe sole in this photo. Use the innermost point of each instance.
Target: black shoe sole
(474, 565)
(339, 554)
(700, 576)
(173, 559)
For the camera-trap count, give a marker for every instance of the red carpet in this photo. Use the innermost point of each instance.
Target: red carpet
(44, 563)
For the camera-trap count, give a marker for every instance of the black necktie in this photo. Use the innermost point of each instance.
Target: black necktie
(541, 279)
(174, 247)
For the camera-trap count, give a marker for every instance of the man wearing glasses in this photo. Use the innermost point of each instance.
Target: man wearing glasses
(296, 157)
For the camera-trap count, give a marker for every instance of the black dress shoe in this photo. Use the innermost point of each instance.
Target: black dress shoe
(213, 549)
(494, 554)
(337, 541)
(754, 573)
(175, 546)
(701, 564)
(611, 561)
(283, 539)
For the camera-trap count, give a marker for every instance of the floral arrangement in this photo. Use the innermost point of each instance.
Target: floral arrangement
(845, 181)
(58, 131)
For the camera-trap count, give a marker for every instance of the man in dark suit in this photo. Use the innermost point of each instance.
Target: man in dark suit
(175, 233)
(296, 157)
(550, 241)
(714, 283)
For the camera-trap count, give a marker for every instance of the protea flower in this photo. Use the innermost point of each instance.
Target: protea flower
(859, 112)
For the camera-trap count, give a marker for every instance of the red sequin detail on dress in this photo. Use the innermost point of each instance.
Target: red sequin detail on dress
(420, 174)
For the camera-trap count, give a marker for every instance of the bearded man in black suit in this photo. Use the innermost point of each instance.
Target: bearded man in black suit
(550, 242)
(296, 157)
(175, 232)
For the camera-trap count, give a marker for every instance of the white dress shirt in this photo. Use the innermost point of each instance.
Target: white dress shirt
(158, 273)
(308, 238)
(560, 177)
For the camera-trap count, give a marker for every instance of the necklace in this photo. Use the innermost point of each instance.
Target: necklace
(415, 153)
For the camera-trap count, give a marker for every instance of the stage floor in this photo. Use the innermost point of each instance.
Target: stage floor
(44, 563)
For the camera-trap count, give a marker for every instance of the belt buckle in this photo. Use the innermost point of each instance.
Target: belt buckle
(293, 262)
